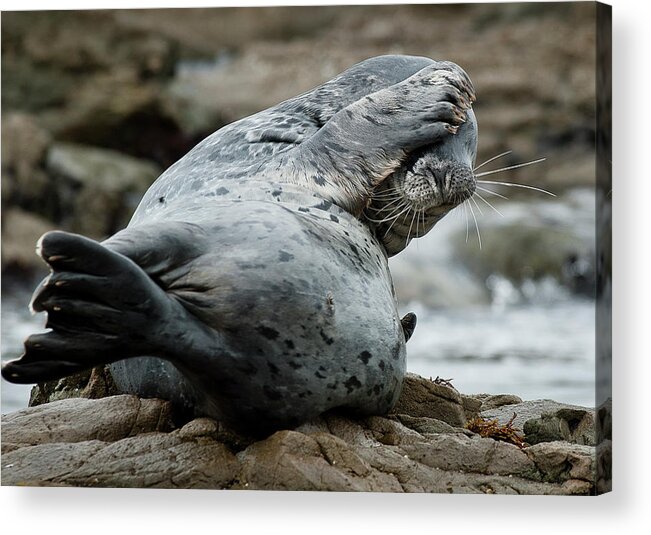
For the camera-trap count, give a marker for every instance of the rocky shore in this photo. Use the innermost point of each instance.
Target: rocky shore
(424, 445)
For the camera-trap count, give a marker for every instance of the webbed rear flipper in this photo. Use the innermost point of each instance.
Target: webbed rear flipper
(101, 307)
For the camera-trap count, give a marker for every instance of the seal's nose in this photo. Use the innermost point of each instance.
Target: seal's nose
(460, 183)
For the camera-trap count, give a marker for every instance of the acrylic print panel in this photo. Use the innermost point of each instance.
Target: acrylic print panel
(396, 281)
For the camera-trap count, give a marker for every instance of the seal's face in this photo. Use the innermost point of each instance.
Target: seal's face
(431, 182)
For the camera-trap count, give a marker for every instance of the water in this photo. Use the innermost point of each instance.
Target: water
(534, 351)
(17, 324)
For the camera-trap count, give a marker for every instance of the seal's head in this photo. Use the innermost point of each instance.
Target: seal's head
(430, 183)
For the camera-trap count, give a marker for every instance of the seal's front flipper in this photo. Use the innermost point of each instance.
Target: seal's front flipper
(408, 323)
(101, 307)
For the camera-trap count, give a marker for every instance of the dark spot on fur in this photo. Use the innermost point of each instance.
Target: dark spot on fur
(319, 375)
(303, 209)
(272, 393)
(221, 191)
(326, 338)
(382, 365)
(352, 383)
(161, 199)
(332, 386)
(334, 218)
(295, 365)
(289, 344)
(377, 389)
(268, 332)
(249, 265)
(323, 205)
(273, 368)
(364, 356)
(284, 256)
(276, 192)
(319, 180)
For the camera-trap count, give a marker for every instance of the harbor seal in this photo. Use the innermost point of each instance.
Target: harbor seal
(252, 283)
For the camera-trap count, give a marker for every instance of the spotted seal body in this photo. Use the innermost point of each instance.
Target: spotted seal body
(250, 285)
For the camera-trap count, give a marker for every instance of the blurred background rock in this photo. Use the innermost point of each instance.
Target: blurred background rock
(95, 104)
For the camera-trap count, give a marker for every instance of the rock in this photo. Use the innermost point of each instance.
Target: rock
(97, 189)
(492, 402)
(561, 461)
(24, 147)
(153, 460)
(79, 420)
(426, 426)
(292, 461)
(426, 398)
(547, 253)
(20, 232)
(123, 441)
(92, 384)
(547, 420)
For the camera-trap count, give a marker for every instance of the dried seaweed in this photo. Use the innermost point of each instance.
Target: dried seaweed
(493, 429)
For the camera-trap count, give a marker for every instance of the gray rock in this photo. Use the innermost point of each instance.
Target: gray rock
(97, 189)
(427, 425)
(561, 461)
(495, 401)
(79, 420)
(20, 232)
(24, 146)
(425, 398)
(547, 420)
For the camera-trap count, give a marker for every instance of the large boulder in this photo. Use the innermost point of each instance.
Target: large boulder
(97, 189)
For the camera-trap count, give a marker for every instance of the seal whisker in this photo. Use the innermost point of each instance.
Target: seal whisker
(465, 213)
(406, 210)
(386, 193)
(381, 209)
(493, 193)
(510, 167)
(389, 216)
(476, 224)
(411, 224)
(478, 207)
(492, 159)
(512, 184)
(489, 204)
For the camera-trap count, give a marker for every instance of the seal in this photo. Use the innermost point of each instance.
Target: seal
(252, 283)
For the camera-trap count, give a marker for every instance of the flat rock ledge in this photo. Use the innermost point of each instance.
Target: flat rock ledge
(423, 446)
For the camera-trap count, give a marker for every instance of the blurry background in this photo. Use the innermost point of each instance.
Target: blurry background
(96, 104)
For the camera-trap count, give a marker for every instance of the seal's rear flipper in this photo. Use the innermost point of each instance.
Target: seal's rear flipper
(101, 306)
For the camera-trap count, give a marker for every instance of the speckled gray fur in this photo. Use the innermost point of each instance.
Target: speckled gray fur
(248, 272)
